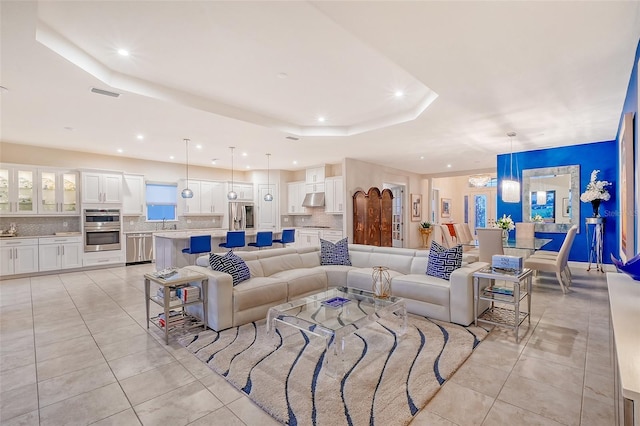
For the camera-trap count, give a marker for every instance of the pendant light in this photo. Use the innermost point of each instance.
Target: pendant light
(232, 195)
(268, 196)
(511, 187)
(186, 192)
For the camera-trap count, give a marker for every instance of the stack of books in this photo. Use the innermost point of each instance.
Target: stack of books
(174, 299)
(188, 294)
(175, 318)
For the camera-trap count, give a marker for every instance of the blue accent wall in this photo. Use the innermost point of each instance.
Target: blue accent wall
(600, 155)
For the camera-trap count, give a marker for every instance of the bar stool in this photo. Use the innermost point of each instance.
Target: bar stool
(263, 239)
(198, 244)
(288, 236)
(234, 239)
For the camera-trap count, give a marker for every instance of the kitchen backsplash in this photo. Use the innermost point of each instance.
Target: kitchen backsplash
(40, 225)
(318, 218)
(138, 223)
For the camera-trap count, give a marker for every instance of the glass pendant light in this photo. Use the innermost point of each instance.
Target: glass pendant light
(511, 187)
(232, 195)
(268, 196)
(186, 192)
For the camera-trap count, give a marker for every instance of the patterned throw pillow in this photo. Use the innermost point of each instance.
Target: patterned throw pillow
(443, 261)
(232, 265)
(334, 254)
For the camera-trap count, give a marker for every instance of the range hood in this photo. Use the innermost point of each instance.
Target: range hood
(313, 199)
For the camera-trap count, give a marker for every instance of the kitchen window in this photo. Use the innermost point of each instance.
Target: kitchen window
(162, 201)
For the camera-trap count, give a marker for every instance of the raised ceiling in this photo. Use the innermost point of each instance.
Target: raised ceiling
(416, 86)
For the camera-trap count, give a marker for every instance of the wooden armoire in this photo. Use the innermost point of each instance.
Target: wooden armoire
(372, 213)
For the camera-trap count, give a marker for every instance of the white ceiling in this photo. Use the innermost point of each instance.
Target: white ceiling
(554, 72)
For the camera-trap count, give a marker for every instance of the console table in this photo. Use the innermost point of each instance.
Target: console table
(624, 301)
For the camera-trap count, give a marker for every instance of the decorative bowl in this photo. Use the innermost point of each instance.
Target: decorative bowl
(631, 268)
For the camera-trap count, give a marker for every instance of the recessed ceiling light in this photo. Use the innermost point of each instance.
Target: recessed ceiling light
(422, 157)
(244, 154)
(295, 162)
(248, 167)
(283, 75)
(449, 165)
(198, 146)
(213, 160)
(321, 119)
(140, 137)
(123, 52)
(68, 128)
(120, 150)
(171, 157)
(3, 89)
(399, 94)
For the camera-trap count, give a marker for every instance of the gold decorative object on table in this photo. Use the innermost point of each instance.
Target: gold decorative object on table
(381, 282)
(425, 231)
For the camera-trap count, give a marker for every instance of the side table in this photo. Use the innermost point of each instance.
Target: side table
(181, 278)
(498, 315)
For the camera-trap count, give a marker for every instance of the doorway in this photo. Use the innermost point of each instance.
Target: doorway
(480, 208)
(397, 214)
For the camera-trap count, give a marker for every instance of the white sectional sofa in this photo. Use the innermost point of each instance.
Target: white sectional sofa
(279, 275)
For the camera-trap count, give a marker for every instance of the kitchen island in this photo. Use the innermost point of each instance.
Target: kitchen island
(169, 244)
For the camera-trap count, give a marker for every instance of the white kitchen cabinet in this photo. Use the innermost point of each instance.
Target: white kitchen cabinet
(58, 192)
(60, 253)
(102, 258)
(314, 187)
(18, 256)
(244, 191)
(315, 175)
(307, 238)
(334, 195)
(295, 195)
(209, 198)
(101, 188)
(133, 198)
(331, 235)
(18, 190)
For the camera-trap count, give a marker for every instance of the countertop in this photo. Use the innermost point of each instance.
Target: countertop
(215, 233)
(624, 299)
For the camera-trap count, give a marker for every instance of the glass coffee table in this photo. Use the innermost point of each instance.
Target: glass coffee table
(333, 315)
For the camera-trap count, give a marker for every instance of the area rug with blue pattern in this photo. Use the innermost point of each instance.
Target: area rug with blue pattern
(387, 379)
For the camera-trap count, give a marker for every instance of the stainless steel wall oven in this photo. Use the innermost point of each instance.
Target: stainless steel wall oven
(102, 229)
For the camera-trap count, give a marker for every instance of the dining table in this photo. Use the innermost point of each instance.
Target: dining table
(518, 243)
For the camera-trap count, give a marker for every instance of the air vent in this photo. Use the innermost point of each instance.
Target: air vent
(105, 92)
(292, 138)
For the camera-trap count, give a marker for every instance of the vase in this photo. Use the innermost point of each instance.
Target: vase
(596, 207)
(505, 235)
(381, 285)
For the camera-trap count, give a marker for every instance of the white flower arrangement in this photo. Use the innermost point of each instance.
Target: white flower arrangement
(596, 189)
(505, 222)
(537, 218)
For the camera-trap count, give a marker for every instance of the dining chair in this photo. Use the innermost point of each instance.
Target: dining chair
(467, 231)
(263, 239)
(461, 235)
(551, 261)
(288, 237)
(447, 239)
(489, 243)
(525, 230)
(234, 239)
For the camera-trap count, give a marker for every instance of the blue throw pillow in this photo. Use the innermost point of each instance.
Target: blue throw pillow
(232, 265)
(443, 261)
(334, 254)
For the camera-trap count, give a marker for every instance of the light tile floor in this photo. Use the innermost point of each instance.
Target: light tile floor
(74, 350)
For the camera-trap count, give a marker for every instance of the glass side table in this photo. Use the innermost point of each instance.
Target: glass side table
(518, 286)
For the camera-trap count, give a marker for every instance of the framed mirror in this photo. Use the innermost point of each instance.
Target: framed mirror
(553, 195)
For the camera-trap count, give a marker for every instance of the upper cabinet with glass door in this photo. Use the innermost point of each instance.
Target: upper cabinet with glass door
(58, 192)
(17, 190)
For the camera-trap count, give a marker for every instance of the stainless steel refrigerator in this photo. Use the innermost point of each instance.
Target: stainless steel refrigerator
(241, 216)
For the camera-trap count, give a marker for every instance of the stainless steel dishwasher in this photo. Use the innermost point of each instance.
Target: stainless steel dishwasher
(139, 248)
